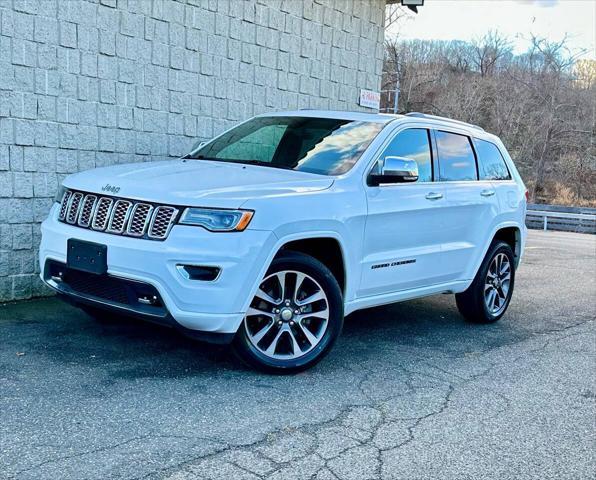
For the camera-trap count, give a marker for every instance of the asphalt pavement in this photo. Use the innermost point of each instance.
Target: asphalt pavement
(410, 391)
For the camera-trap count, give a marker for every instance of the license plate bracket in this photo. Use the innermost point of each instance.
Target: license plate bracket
(88, 257)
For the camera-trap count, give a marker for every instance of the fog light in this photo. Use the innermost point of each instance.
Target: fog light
(199, 272)
(58, 278)
(148, 299)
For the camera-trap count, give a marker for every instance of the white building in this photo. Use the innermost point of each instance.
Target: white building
(86, 83)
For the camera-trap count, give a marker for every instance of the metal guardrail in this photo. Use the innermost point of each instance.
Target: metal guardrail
(551, 217)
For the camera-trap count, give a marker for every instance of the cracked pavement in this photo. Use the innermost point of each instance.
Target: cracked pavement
(410, 391)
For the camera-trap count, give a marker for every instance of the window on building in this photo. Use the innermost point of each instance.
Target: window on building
(491, 164)
(456, 157)
(414, 144)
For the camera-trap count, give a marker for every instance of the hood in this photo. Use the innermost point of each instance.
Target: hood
(200, 183)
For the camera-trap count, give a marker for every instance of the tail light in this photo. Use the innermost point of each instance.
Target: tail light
(527, 195)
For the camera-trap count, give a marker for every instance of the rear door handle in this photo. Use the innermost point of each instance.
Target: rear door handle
(434, 196)
(487, 193)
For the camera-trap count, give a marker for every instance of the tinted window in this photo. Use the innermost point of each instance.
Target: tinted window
(491, 164)
(326, 146)
(414, 144)
(456, 157)
(258, 145)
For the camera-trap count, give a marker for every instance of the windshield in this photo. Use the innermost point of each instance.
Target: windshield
(326, 146)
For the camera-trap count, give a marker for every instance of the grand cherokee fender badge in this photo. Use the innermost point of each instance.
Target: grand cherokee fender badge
(110, 188)
(393, 264)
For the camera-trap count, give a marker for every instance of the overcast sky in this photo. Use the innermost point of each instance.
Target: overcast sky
(467, 19)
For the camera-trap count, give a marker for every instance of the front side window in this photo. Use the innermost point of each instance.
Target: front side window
(414, 144)
(326, 146)
(491, 165)
(456, 157)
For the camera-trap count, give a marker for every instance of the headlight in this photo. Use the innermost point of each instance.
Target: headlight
(60, 194)
(217, 220)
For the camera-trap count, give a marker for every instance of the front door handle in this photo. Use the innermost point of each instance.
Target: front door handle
(487, 193)
(434, 196)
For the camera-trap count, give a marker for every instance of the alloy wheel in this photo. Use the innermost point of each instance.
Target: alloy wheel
(288, 316)
(497, 284)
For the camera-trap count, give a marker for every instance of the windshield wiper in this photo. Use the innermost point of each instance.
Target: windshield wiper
(260, 163)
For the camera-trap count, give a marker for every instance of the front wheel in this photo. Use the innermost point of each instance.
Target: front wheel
(294, 318)
(487, 298)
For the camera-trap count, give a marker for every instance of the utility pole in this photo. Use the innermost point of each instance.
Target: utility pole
(396, 95)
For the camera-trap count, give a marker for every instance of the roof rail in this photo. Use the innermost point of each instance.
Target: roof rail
(443, 119)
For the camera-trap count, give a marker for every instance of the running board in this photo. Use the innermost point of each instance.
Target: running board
(394, 297)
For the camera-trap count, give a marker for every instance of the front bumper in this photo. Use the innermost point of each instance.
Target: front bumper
(211, 306)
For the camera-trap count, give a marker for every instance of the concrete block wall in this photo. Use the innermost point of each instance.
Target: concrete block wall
(88, 83)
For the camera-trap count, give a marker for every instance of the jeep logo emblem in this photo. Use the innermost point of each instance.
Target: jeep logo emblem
(110, 188)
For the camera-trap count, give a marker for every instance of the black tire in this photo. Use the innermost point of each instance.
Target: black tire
(471, 303)
(299, 262)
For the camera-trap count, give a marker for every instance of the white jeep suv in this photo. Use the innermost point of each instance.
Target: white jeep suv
(267, 235)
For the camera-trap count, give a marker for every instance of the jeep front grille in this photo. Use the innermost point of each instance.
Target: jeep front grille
(117, 216)
(64, 205)
(162, 222)
(102, 214)
(139, 219)
(87, 210)
(73, 207)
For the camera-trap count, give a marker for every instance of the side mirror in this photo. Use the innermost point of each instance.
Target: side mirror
(395, 170)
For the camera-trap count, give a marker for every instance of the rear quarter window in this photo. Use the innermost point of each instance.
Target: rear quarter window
(491, 164)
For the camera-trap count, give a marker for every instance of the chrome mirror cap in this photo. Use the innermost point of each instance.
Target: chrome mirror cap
(395, 170)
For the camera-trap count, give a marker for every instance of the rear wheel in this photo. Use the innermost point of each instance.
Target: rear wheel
(487, 298)
(294, 318)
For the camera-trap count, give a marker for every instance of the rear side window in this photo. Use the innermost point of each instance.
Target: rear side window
(456, 157)
(491, 164)
(413, 144)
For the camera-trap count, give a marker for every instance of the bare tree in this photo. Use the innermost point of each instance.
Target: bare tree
(394, 13)
(542, 103)
(488, 50)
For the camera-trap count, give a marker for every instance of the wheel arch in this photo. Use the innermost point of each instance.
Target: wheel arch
(327, 249)
(293, 239)
(511, 235)
(510, 232)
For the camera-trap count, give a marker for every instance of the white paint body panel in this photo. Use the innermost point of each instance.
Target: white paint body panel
(447, 238)
(196, 183)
